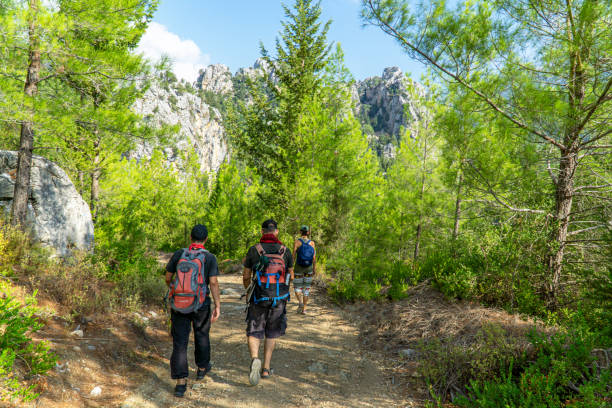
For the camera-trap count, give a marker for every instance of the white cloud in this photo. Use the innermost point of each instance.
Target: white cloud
(187, 58)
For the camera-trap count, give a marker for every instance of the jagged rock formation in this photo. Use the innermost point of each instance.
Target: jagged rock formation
(386, 107)
(217, 79)
(58, 215)
(382, 100)
(383, 105)
(199, 124)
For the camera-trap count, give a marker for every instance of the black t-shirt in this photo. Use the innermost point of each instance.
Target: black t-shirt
(252, 256)
(210, 267)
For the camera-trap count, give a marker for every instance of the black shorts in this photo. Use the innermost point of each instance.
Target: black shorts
(270, 322)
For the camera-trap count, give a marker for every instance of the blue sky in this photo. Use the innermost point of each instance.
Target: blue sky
(195, 33)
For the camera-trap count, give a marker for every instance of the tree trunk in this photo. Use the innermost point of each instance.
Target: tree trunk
(26, 142)
(417, 242)
(458, 207)
(564, 196)
(95, 180)
(564, 192)
(95, 189)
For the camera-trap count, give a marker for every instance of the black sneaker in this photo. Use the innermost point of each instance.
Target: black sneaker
(179, 390)
(202, 372)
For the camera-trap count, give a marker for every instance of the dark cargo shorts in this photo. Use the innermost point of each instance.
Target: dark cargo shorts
(270, 322)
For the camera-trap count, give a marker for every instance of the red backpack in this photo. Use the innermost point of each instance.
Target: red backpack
(270, 275)
(188, 290)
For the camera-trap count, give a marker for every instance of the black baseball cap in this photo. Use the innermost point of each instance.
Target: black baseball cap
(268, 224)
(199, 232)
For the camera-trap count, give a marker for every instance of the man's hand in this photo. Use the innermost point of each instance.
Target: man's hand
(168, 278)
(216, 313)
(214, 290)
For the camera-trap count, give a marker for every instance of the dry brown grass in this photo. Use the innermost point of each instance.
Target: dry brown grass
(455, 340)
(426, 314)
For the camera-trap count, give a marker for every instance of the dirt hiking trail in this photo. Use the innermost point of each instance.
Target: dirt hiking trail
(315, 364)
(320, 362)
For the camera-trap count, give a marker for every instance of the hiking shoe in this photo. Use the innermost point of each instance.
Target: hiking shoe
(255, 373)
(300, 308)
(202, 372)
(179, 390)
(266, 373)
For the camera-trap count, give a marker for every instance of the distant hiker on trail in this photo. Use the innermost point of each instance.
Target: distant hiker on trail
(191, 275)
(305, 259)
(268, 269)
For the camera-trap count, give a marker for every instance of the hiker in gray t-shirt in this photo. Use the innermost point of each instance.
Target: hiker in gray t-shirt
(304, 253)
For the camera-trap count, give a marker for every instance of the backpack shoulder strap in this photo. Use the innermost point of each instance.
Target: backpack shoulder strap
(203, 253)
(260, 249)
(282, 250)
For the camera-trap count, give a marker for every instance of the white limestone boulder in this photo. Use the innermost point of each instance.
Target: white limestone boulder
(57, 214)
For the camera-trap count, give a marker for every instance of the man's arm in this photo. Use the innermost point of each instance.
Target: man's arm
(314, 260)
(296, 245)
(216, 295)
(171, 267)
(247, 273)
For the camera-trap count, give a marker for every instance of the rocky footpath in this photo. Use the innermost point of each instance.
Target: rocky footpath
(58, 215)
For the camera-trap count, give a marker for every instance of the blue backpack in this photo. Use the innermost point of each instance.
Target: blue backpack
(305, 253)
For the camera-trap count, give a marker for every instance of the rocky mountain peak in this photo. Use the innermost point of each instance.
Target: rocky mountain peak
(216, 78)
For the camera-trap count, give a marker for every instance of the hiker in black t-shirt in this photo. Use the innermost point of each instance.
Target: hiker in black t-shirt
(268, 269)
(192, 308)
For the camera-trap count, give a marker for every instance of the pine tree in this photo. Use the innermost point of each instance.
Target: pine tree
(264, 132)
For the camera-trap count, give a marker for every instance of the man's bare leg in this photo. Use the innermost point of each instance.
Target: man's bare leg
(305, 300)
(268, 349)
(300, 297)
(254, 373)
(253, 346)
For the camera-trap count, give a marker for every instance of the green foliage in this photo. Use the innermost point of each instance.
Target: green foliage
(561, 374)
(84, 86)
(139, 281)
(17, 323)
(449, 367)
(505, 106)
(232, 212)
(265, 132)
(501, 267)
(150, 205)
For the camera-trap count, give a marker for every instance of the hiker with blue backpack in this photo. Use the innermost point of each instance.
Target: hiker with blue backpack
(305, 259)
(267, 274)
(191, 276)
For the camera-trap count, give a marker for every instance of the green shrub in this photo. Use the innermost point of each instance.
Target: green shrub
(448, 366)
(495, 269)
(17, 323)
(13, 245)
(561, 373)
(77, 283)
(140, 280)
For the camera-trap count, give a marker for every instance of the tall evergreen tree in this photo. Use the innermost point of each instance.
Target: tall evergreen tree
(264, 132)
